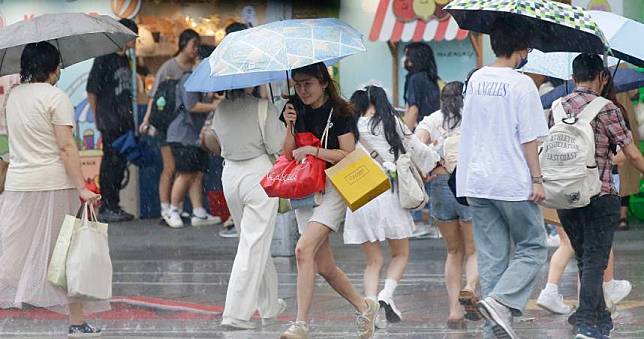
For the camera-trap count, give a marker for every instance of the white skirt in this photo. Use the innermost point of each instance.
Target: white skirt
(380, 219)
(29, 226)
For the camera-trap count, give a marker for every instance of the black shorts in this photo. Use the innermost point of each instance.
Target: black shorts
(189, 159)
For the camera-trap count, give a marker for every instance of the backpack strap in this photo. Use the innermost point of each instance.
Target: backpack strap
(558, 112)
(589, 113)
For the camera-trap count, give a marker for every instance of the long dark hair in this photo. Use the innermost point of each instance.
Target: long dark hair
(452, 104)
(319, 71)
(38, 61)
(609, 92)
(422, 59)
(387, 115)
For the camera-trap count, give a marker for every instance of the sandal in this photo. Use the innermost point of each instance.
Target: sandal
(623, 225)
(468, 299)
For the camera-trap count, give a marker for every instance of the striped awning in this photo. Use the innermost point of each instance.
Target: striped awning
(386, 27)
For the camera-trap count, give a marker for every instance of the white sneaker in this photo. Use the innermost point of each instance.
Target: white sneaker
(272, 321)
(392, 312)
(173, 219)
(236, 324)
(207, 220)
(617, 291)
(229, 222)
(553, 302)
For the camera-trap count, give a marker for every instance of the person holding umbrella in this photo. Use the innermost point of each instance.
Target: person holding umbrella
(109, 93)
(316, 108)
(590, 228)
(499, 173)
(43, 185)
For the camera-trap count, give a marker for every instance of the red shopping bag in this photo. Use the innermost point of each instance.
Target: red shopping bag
(289, 179)
(218, 205)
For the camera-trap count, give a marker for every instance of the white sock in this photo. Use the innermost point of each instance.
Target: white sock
(609, 284)
(165, 206)
(372, 297)
(390, 288)
(174, 209)
(551, 288)
(200, 212)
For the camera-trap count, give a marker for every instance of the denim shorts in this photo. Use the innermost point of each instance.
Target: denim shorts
(445, 208)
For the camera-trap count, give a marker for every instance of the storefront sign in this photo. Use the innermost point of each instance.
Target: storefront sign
(409, 10)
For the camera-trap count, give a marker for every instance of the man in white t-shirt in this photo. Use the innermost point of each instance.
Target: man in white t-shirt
(498, 171)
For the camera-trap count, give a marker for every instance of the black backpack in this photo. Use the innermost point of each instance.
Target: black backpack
(164, 109)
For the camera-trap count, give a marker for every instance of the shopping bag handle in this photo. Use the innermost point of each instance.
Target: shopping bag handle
(83, 212)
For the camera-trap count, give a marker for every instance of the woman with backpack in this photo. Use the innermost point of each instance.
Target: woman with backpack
(383, 218)
(162, 108)
(184, 138)
(319, 109)
(454, 220)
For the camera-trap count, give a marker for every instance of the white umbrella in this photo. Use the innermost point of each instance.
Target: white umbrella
(624, 36)
(554, 64)
(77, 36)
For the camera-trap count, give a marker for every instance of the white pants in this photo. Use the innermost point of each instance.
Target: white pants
(253, 280)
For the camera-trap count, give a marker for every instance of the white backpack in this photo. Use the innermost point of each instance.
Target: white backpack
(567, 158)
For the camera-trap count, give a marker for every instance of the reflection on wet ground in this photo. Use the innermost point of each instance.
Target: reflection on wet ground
(172, 284)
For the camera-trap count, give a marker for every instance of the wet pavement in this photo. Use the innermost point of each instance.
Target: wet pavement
(171, 284)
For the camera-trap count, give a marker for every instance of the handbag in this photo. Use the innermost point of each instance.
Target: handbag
(290, 179)
(88, 266)
(209, 140)
(410, 184)
(57, 264)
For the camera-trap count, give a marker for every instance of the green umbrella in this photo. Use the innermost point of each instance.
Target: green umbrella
(555, 27)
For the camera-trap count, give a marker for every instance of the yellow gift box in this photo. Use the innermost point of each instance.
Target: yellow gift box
(358, 178)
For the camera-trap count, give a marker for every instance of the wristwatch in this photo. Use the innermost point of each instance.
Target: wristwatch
(537, 180)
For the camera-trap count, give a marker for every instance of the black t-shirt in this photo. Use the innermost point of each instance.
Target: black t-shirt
(422, 93)
(111, 81)
(314, 120)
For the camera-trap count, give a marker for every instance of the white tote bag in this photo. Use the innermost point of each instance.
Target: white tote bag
(89, 267)
(57, 264)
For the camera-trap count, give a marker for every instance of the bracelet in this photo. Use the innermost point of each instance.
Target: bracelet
(537, 180)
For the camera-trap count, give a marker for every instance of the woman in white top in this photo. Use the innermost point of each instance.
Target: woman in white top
(454, 220)
(382, 218)
(44, 183)
(249, 132)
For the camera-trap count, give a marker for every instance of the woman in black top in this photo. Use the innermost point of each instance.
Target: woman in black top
(317, 99)
(422, 94)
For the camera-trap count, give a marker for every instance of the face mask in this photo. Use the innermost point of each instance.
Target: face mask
(523, 62)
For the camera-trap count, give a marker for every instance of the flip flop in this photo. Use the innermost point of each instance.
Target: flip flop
(469, 301)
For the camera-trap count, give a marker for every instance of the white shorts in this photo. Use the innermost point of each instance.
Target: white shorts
(329, 213)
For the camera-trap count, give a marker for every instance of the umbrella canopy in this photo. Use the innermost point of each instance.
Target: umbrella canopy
(624, 36)
(77, 37)
(265, 53)
(83, 112)
(624, 80)
(554, 64)
(555, 27)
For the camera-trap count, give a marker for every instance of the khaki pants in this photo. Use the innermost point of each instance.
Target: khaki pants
(253, 282)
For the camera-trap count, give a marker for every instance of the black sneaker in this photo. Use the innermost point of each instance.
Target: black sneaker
(110, 216)
(126, 215)
(84, 331)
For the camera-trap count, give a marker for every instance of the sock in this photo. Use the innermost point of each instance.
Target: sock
(200, 212)
(390, 287)
(174, 209)
(372, 297)
(165, 206)
(551, 288)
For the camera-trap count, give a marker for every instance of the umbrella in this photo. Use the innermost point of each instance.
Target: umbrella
(77, 36)
(624, 36)
(83, 112)
(555, 27)
(136, 152)
(266, 53)
(554, 64)
(624, 80)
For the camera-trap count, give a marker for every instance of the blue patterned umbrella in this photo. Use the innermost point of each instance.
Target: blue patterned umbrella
(265, 53)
